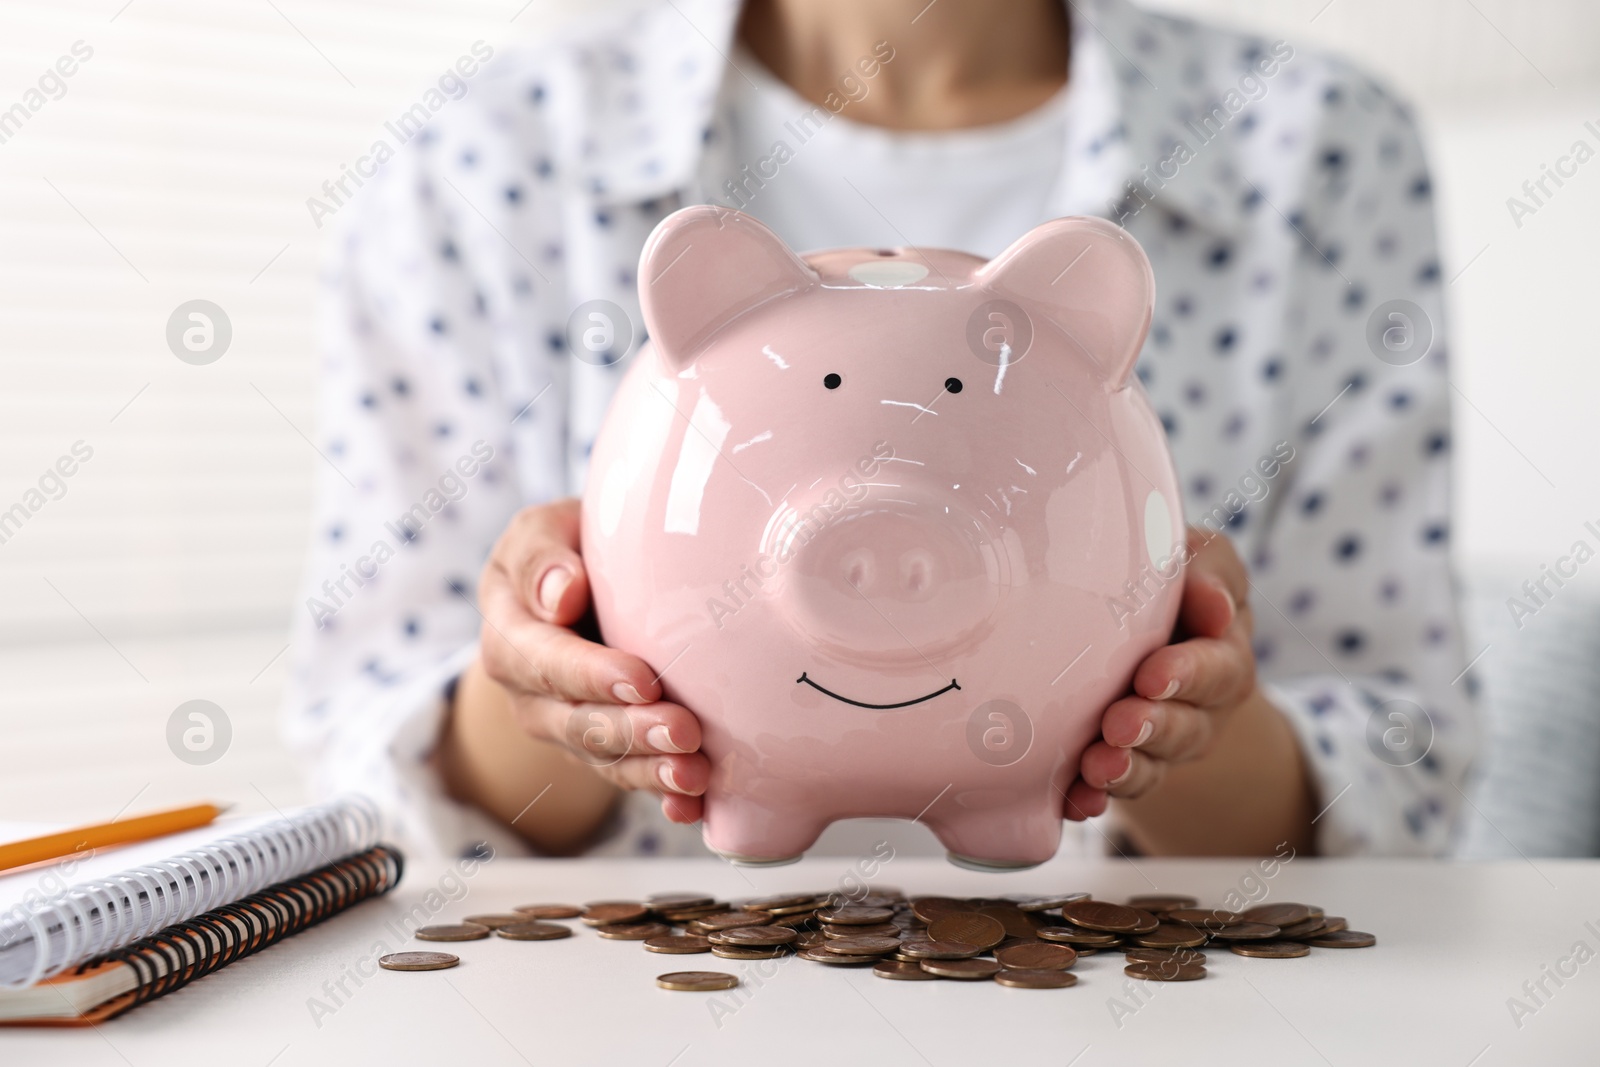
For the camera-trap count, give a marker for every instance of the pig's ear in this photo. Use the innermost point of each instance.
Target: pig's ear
(1088, 277)
(703, 267)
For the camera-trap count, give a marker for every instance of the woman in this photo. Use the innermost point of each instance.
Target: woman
(1317, 696)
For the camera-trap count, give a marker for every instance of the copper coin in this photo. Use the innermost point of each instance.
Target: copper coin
(1210, 918)
(1075, 935)
(938, 950)
(603, 912)
(840, 930)
(780, 900)
(1284, 914)
(1316, 912)
(1018, 978)
(686, 915)
(1165, 972)
(1012, 919)
(749, 952)
(1165, 955)
(1160, 902)
(970, 970)
(1343, 939)
(1246, 932)
(681, 945)
(865, 945)
(1036, 956)
(817, 955)
(1333, 924)
(800, 921)
(855, 915)
(1305, 929)
(810, 939)
(454, 932)
(969, 928)
(1271, 950)
(1171, 935)
(902, 972)
(679, 901)
(795, 909)
(494, 922)
(1051, 903)
(1147, 922)
(417, 961)
(548, 911)
(754, 936)
(697, 981)
(632, 931)
(534, 931)
(1100, 915)
(727, 920)
(930, 908)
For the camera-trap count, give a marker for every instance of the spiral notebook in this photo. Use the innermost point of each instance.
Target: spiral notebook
(109, 944)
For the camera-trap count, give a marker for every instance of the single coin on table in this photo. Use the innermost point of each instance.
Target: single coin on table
(902, 971)
(1271, 950)
(1282, 914)
(417, 961)
(452, 932)
(677, 944)
(495, 921)
(1022, 978)
(632, 931)
(1036, 956)
(606, 912)
(938, 950)
(548, 911)
(1343, 939)
(697, 981)
(1051, 902)
(533, 931)
(1159, 902)
(1101, 915)
(969, 970)
(969, 928)
(1246, 932)
(865, 945)
(752, 936)
(1165, 972)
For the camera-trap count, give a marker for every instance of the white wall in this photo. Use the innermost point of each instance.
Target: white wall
(177, 166)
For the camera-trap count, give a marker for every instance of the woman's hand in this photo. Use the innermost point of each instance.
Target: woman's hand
(602, 705)
(1184, 696)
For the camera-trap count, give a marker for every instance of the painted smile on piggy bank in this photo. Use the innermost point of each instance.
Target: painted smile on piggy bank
(875, 707)
(931, 482)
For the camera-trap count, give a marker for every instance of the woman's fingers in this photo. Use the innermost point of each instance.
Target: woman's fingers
(1083, 801)
(685, 775)
(529, 656)
(1121, 772)
(1166, 729)
(538, 554)
(682, 809)
(1206, 671)
(601, 734)
(1215, 585)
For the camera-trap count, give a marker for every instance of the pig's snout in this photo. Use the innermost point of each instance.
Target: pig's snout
(894, 580)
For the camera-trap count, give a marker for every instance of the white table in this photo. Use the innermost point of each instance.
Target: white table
(1454, 943)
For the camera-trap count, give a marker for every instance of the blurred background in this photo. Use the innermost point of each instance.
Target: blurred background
(176, 162)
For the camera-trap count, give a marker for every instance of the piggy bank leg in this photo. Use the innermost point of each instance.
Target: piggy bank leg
(1008, 838)
(752, 835)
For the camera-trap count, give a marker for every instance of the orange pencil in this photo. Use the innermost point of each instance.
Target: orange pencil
(139, 828)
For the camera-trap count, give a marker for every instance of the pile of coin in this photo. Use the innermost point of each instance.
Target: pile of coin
(1021, 942)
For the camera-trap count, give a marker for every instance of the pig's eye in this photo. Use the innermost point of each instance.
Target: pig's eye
(952, 385)
(832, 381)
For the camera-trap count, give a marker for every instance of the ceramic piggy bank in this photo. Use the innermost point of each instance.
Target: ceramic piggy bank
(896, 524)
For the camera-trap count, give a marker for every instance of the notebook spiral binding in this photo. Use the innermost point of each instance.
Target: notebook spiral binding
(196, 947)
(89, 920)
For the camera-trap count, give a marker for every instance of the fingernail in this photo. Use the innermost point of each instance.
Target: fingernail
(664, 773)
(1144, 734)
(1233, 608)
(1166, 694)
(660, 738)
(551, 586)
(1119, 779)
(627, 694)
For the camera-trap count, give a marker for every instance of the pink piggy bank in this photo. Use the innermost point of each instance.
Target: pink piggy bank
(896, 524)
